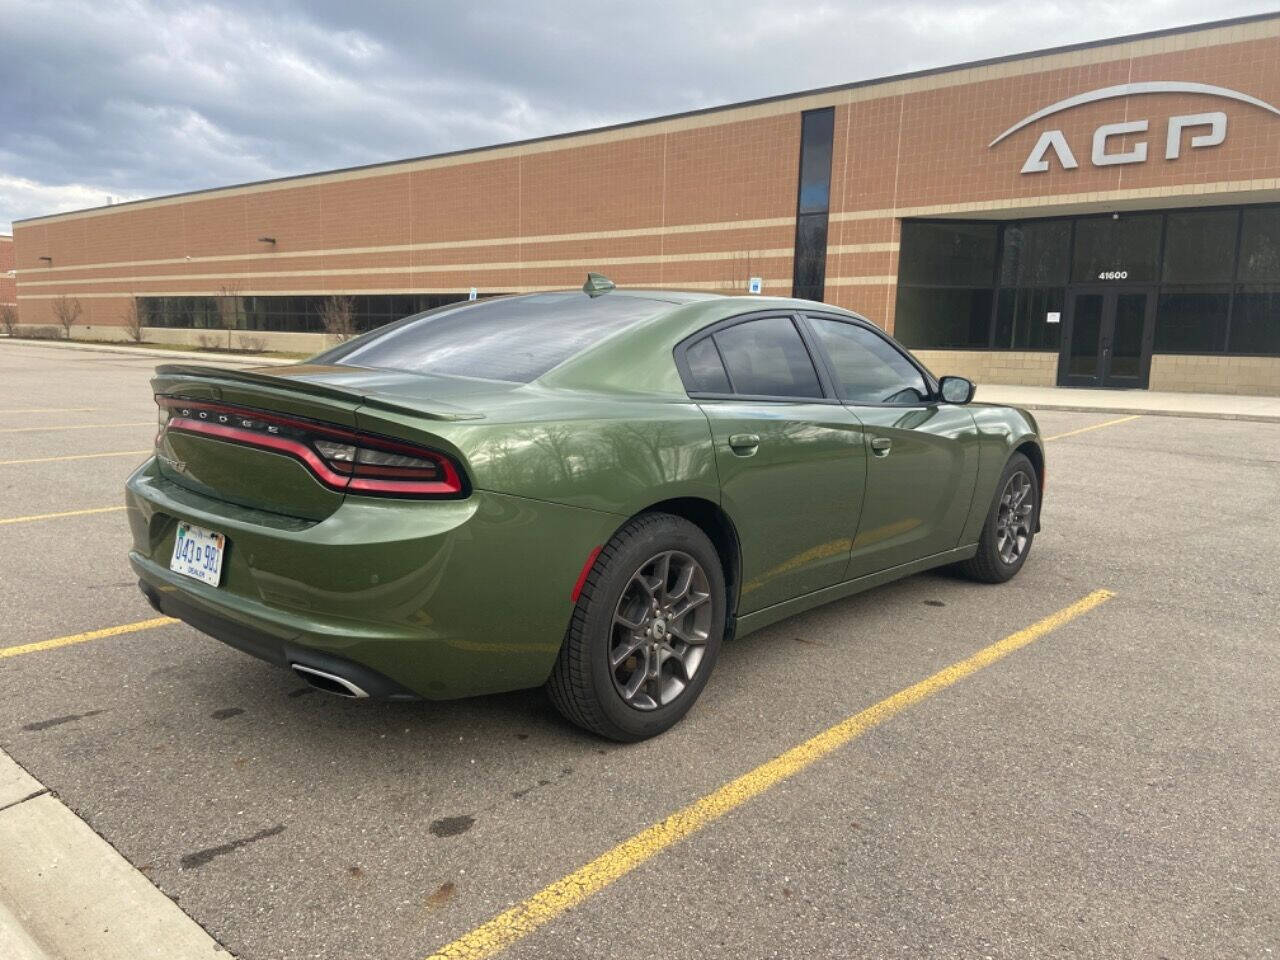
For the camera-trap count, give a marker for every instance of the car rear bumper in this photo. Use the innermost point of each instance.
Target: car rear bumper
(435, 599)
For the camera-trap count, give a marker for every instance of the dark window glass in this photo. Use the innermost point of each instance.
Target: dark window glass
(708, 372)
(1200, 246)
(948, 254)
(767, 358)
(1260, 244)
(1022, 318)
(517, 340)
(1130, 245)
(816, 131)
(811, 257)
(1035, 253)
(1191, 321)
(939, 317)
(869, 368)
(1255, 321)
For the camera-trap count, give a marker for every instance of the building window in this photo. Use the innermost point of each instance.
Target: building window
(1129, 244)
(982, 285)
(813, 202)
(284, 314)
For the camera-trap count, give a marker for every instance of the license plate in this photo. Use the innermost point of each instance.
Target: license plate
(197, 553)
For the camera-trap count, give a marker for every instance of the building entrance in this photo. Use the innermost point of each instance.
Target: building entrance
(1107, 336)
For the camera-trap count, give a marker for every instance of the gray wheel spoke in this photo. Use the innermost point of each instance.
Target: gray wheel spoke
(660, 629)
(1013, 517)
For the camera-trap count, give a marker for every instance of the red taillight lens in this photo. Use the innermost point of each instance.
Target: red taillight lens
(340, 458)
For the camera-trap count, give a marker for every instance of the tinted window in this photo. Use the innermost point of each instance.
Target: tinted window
(767, 358)
(1191, 320)
(1022, 318)
(1260, 244)
(708, 372)
(809, 276)
(1035, 253)
(1255, 324)
(943, 317)
(817, 127)
(1200, 247)
(518, 339)
(948, 254)
(868, 367)
(1130, 245)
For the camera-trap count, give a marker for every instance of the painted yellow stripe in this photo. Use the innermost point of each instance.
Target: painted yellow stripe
(85, 637)
(78, 456)
(550, 902)
(55, 516)
(78, 426)
(1096, 426)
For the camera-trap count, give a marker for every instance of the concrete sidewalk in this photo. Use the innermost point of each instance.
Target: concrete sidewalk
(1211, 406)
(66, 893)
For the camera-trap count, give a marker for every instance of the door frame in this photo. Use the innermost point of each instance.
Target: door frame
(1101, 377)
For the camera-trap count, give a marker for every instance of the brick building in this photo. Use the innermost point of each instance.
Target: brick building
(1102, 214)
(8, 282)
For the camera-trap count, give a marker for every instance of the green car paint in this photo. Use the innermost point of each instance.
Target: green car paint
(472, 594)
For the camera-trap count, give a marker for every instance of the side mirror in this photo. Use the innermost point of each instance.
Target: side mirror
(956, 389)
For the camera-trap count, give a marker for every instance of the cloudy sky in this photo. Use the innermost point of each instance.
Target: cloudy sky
(137, 99)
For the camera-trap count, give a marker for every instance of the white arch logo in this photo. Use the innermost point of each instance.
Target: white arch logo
(1055, 142)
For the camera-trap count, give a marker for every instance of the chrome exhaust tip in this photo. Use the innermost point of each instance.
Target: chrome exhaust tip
(329, 682)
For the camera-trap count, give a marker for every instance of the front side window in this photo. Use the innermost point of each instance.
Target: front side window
(767, 358)
(869, 368)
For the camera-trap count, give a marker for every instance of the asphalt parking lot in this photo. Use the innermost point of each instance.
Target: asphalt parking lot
(1110, 789)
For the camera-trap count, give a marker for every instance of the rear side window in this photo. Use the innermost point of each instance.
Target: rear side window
(767, 358)
(868, 367)
(517, 340)
(707, 369)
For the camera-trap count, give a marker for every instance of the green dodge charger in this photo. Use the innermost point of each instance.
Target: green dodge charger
(588, 490)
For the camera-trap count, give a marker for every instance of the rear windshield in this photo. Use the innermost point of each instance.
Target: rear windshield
(517, 339)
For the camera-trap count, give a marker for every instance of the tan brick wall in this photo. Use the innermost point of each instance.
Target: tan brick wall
(8, 285)
(1256, 376)
(1032, 369)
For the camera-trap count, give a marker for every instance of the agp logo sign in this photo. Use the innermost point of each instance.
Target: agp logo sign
(1204, 129)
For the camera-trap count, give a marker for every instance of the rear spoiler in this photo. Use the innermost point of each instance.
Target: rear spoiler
(296, 382)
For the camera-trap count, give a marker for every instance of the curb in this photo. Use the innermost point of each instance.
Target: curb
(65, 892)
(247, 359)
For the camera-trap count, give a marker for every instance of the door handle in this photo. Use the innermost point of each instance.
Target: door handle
(744, 444)
(881, 446)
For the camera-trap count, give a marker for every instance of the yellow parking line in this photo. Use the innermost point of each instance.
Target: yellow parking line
(564, 894)
(84, 637)
(1096, 426)
(54, 516)
(78, 456)
(78, 426)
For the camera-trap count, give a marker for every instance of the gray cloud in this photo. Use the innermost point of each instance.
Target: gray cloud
(140, 98)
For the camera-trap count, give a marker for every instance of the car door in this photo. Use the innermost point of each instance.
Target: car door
(791, 457)
(922, 454)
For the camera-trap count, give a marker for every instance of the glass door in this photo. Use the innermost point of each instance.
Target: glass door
(1106, 340)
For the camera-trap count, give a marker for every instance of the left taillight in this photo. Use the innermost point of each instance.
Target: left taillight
(340, 458)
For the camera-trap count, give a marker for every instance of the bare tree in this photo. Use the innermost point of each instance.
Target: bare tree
(133, 321)
(67, 313)
(230, 308)
(338, 315)
(8, 317)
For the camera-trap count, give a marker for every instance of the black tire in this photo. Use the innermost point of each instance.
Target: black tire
(583, 684)
(988, 565)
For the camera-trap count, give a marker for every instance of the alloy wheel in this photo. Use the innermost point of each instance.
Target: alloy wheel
(660, 630)
(1013, 518)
